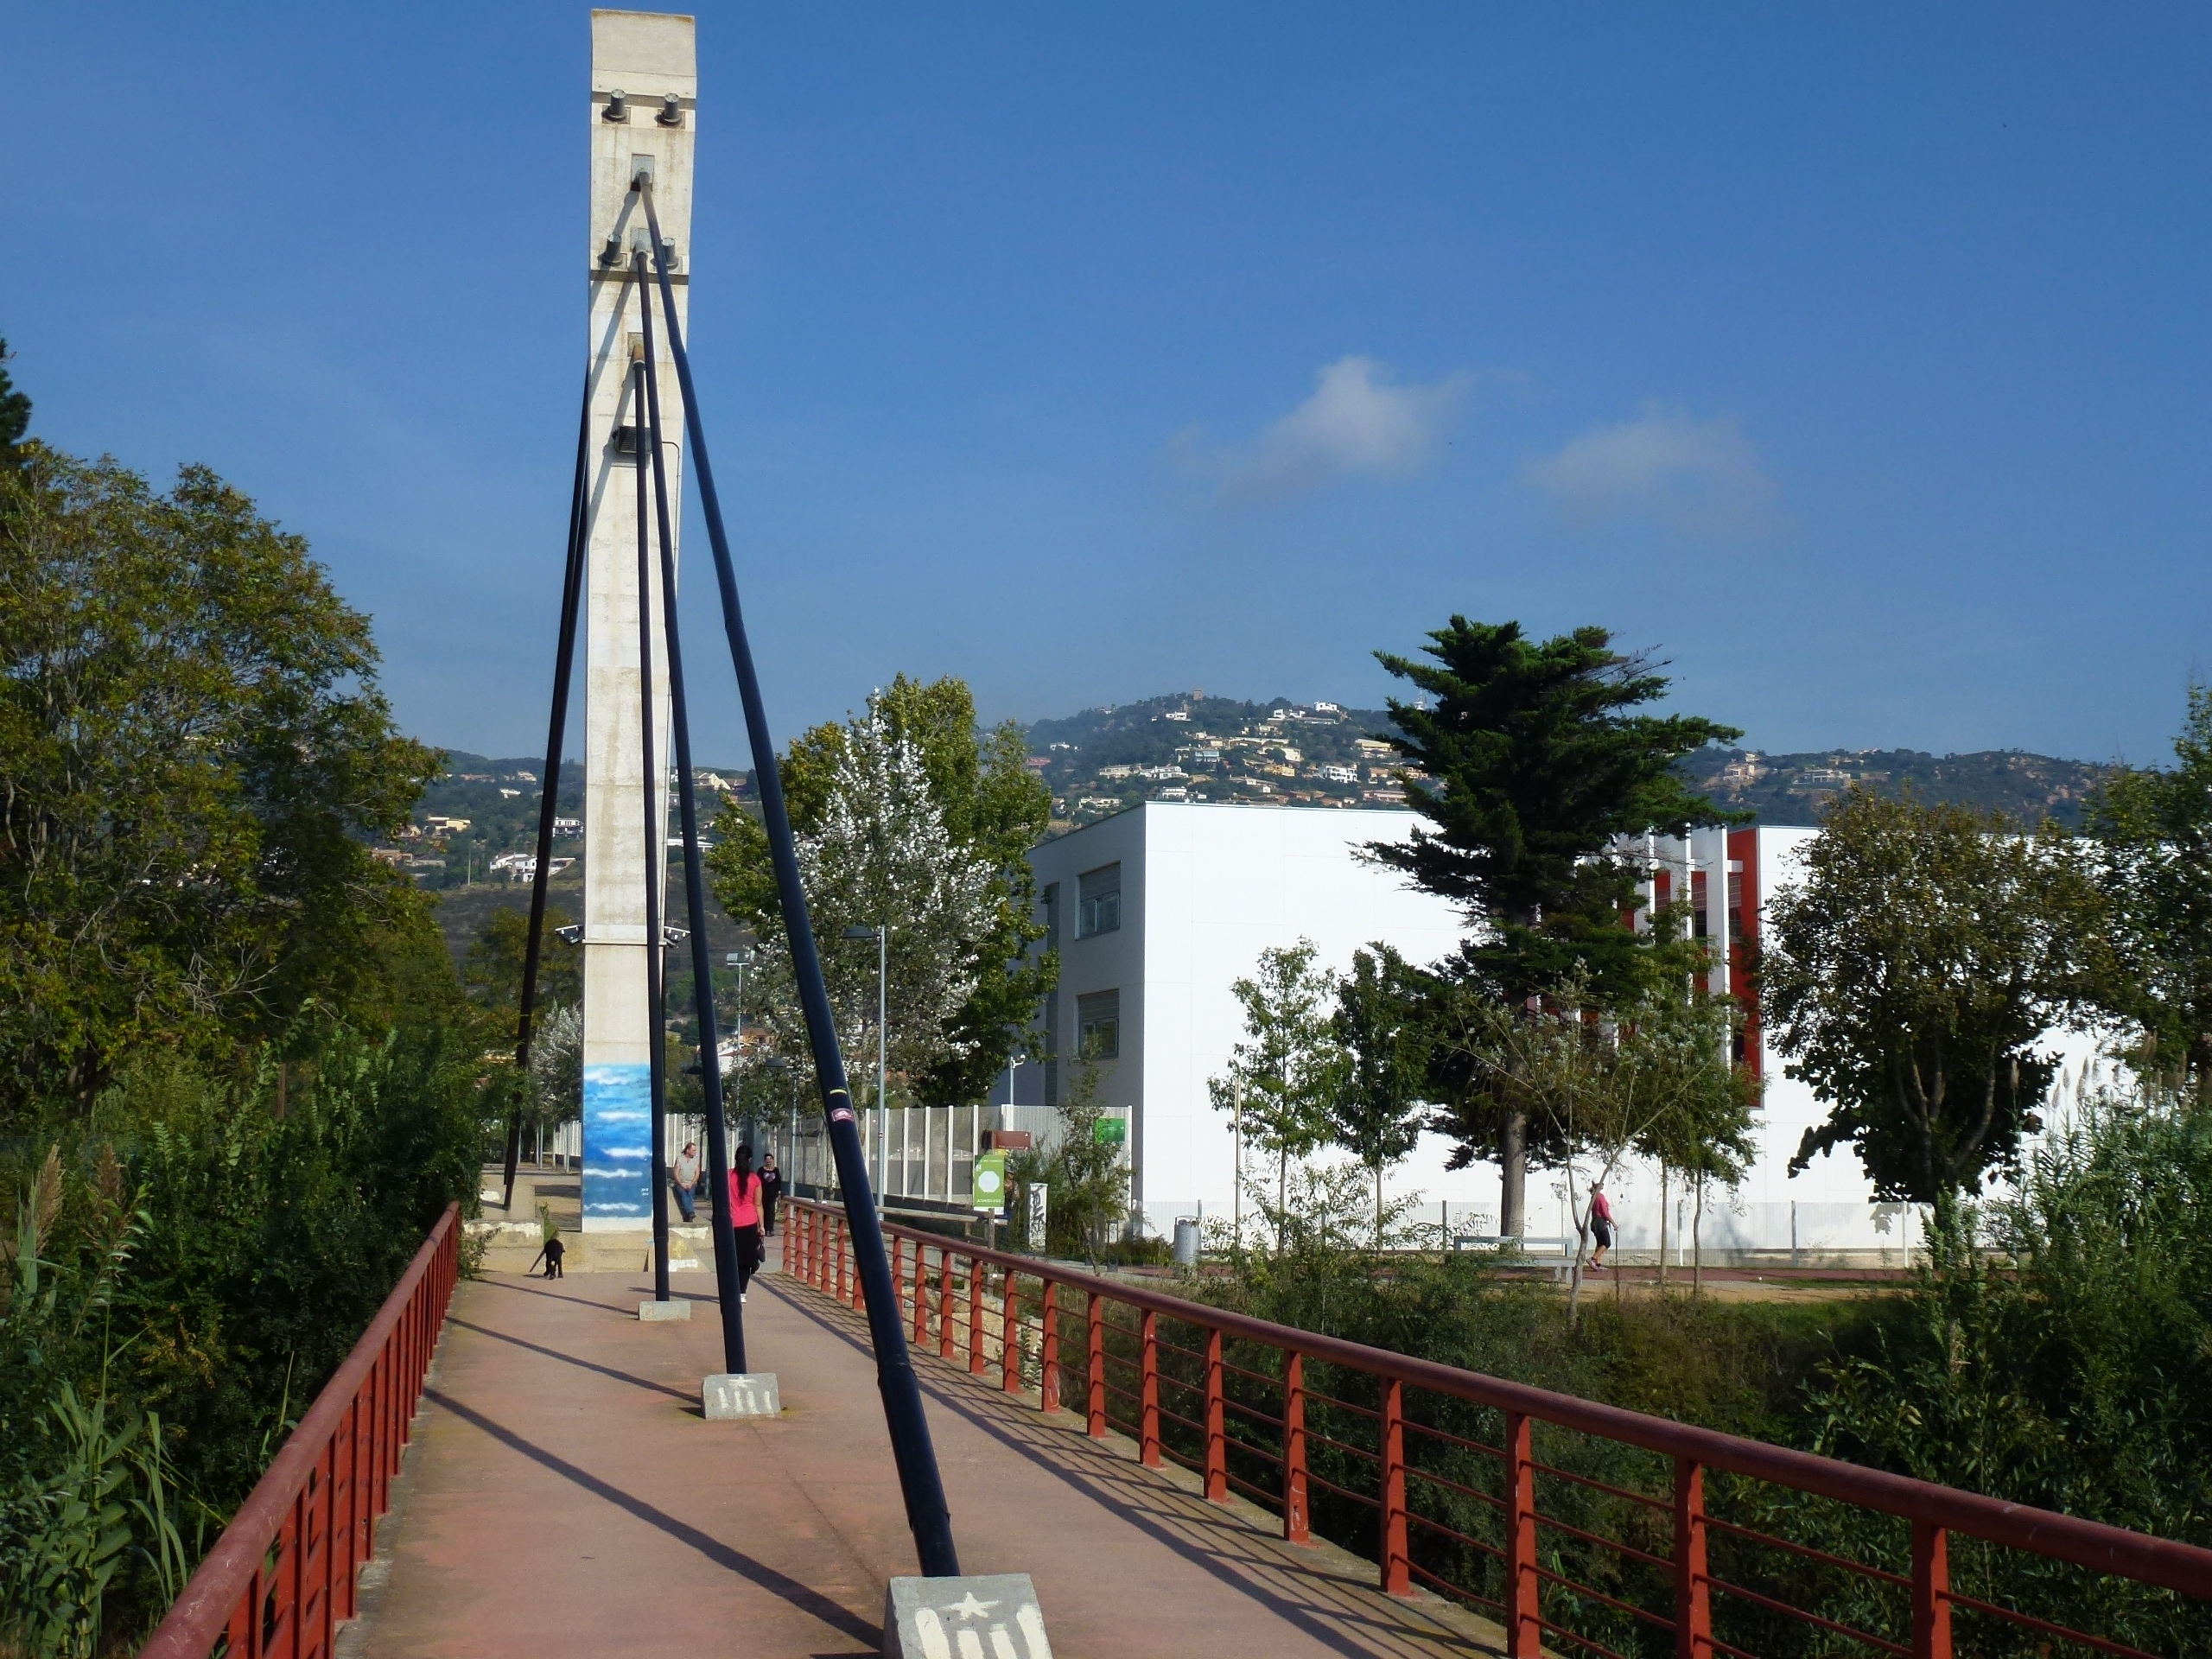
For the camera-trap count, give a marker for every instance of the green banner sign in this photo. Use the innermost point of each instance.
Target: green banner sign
(1110, 1131)
(989, 1191)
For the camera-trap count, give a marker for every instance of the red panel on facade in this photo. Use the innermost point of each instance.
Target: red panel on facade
(1743, 940)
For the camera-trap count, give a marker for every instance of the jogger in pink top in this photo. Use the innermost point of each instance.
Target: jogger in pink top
(745, 1218)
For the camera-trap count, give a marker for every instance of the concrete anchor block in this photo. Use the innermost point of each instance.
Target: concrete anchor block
(993, 1616)
(740, 1393)
(674, 1308)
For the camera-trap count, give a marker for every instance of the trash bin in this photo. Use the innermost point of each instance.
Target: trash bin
(1186, 1242)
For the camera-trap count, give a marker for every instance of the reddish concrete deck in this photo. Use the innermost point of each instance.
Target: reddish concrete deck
(567, 1497)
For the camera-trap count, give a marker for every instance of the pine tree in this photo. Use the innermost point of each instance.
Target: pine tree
(1528, 769)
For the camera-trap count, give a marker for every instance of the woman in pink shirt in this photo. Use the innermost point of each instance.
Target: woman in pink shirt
(1601, 1225)
(745, 1218)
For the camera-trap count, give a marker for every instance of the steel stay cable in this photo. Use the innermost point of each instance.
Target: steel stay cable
(920, 1484)
(564, 658)
(722, 1226)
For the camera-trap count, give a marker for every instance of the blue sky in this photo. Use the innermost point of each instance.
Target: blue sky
(1857, 358)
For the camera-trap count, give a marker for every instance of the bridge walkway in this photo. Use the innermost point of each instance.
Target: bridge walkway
(565, 1495)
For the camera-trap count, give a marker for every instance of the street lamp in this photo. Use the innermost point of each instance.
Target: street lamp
(882, 937)
(739, 959)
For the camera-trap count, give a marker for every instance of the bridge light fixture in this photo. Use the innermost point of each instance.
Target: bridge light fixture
(671, 111)
(618, 106)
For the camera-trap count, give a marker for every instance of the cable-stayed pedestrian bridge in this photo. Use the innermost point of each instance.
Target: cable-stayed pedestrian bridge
(515, 1465)
(928, 1447)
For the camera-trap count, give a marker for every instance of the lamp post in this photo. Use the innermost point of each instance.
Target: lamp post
(882, 937)
(739, 959)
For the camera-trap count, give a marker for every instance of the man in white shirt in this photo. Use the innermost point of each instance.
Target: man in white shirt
(685, 1177)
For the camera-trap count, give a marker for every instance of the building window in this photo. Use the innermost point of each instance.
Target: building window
(1098, 901)
(1099, 1024)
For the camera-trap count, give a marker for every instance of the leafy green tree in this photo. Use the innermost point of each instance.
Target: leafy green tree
(1911, 975)
(195, 752)
(2153, 828)
(1653, 1075)
(1708, 1133)
(1529, 768)
(992, 809)
(491, 972)
(1375, 1111)
(15, 415)
(1284, 1071)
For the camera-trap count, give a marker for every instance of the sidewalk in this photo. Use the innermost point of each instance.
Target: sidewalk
(568, 1499)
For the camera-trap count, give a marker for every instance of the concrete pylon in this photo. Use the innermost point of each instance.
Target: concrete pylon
(643, 87)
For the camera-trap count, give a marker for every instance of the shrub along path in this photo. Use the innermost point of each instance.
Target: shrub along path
(569, 1498)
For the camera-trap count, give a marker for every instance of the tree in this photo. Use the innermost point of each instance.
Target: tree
(491, 972)
(14, 416)
(1704, 1130)
(878, 854)
(2154, 832)
(1283, 1074)
(993, 810)
(193, 754)
(1528, 769)
(1599, 1083)
(1912, 976)
(1086, 1174)
(1376, 1109)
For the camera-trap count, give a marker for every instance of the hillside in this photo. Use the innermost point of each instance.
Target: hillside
(1796, 788)
(1192, 747)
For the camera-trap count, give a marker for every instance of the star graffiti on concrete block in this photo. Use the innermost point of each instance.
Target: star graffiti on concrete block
(968, 1607)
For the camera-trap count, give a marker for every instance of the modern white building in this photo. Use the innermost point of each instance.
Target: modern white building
(1157, 911)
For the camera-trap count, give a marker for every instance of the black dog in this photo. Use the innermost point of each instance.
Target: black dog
(554, 1251)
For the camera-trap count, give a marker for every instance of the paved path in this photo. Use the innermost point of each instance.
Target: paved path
(566, 1497)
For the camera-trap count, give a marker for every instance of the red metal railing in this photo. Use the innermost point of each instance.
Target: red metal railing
(1502, 1523)
(281, 1579)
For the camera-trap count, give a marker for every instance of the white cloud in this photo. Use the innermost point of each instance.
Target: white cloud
(1695, 475)
(1354, 424)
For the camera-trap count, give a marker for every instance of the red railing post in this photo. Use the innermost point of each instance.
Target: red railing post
(921, 1294)
(976, 1274)
(849, 1264)
(1931, 1592)
(1217, 1421)
(1693, 1588)
(1148, 1389)
(1294, 1512)
(1010, 1332)
(1048, 1380)
(1523, 1608)
(1095, 1381)
(326, 1516)
(1397, 1574)
(946, 1348)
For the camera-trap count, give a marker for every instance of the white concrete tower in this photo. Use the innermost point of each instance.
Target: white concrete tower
(644, 84)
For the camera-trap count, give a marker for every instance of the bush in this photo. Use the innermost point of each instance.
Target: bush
(184, 1272)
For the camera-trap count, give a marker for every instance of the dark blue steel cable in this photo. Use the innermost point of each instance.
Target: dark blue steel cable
(564, 658)
(922, 1487)
(695, 882)
(656, 834)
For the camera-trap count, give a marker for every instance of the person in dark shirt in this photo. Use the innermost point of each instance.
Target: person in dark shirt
(772, 1188)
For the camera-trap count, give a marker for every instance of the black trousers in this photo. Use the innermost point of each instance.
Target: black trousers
(748, 1255)
(768, 1213)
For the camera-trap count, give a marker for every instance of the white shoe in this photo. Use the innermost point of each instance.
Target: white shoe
(742, 1299)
